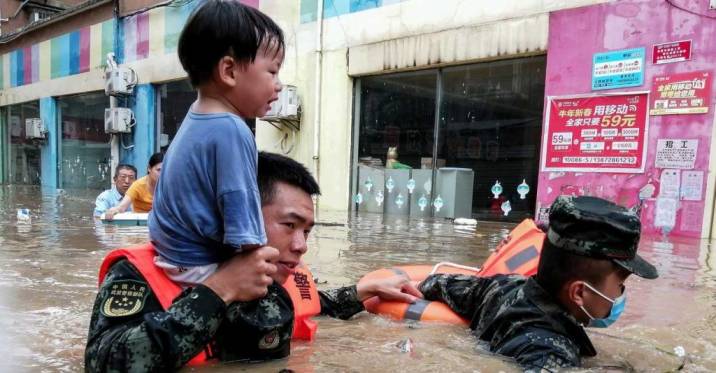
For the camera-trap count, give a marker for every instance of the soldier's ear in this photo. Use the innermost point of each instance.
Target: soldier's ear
(575, 292)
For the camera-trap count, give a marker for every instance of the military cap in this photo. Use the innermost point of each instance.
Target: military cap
(597, 228)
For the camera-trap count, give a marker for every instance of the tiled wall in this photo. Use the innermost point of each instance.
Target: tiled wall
(334, 8)
(141, 36)
(72, 53)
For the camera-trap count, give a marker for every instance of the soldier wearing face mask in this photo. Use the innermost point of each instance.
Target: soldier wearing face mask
(588, 253)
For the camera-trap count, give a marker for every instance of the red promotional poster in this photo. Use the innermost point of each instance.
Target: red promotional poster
(686, 93)
(672, 52)
(596, 133)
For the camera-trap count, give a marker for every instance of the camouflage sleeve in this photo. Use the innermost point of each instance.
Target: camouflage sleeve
(541, 351)
(341, 303)
(130, 332)
(461, 292)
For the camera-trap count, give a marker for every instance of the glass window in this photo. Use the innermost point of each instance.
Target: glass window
(489, 130)
(397, 110)
(491, 122)
(24, 163)
(175, 100)
(85, 154)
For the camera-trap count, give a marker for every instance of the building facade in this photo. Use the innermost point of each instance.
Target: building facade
(412, 107)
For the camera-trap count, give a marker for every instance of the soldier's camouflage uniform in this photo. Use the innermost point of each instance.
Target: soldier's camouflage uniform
(147, 338)
(516, 317)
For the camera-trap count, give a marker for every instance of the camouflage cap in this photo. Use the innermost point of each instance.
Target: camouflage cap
(597, 228)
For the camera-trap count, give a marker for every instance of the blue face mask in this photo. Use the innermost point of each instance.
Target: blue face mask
(616, 311)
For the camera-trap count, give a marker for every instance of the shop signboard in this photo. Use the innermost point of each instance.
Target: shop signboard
(596, 133)
(676, 51)
(618, 69)
(685, 93)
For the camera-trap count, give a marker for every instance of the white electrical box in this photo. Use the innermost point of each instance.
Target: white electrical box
(119, 81)
(118, 120)
(34, 128)
(287, 106)
(712, 4)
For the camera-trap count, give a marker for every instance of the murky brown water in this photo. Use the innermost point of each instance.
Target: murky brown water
(48, 281)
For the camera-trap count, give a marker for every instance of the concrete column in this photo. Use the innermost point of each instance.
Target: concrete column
(144, 132)
(49, 151)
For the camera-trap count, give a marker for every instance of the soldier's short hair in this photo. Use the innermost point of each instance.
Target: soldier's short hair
(274, 168)
(557, 267)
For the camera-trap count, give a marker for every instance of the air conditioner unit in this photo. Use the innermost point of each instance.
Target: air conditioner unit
(34, 128)
(118, 120)
(287, 106)
(119, 80)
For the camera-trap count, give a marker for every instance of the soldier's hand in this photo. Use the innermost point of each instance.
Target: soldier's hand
(394, 288)
(244, 277)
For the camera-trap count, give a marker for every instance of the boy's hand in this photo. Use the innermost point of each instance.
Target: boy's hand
(395, 288)
(244, 277)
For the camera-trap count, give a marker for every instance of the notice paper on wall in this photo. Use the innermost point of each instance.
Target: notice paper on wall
(669, 183)
(691, 213)
(676, 153)
(692, 185)
(665, 212)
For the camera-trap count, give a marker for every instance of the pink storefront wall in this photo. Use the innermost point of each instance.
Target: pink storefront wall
(575, 35)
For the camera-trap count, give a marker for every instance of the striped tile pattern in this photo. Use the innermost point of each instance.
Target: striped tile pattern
(145, 35)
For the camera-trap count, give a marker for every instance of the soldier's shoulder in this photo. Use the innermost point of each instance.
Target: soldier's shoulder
(124, 291)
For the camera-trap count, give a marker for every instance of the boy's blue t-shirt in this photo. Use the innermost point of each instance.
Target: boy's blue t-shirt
(207, 203)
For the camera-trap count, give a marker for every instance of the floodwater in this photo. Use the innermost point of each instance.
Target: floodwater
(48, 273)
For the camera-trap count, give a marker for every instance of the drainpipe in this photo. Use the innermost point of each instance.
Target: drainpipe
(317, 89)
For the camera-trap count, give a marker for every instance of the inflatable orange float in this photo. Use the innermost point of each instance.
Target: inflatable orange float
(518, 253)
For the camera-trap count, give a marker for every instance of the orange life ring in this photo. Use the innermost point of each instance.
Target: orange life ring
(518, 253)
(421, 310)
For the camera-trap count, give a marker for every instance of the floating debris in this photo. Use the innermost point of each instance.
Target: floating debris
(465, 221)
(23, 215)
(406, 345)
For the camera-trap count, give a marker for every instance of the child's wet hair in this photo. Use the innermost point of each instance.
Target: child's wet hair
(219, 28)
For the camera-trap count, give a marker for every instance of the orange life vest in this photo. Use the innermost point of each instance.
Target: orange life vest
(299, 285)
(518, 253)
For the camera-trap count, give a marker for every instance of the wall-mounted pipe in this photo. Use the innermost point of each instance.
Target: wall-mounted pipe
(317, 90)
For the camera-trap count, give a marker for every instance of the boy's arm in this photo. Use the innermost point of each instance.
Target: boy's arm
(148, 339)
(461, 292)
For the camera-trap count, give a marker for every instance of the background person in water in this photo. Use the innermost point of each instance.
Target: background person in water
(588, 253)
(124, 176)
(140, 194)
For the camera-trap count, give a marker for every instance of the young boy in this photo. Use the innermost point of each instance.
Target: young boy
(207, 206)
(589, 252)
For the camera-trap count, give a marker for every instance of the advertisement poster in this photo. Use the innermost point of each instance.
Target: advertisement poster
(686, 93)
(596, 133)
(676, 153)
(618, 69)
(676, 51)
